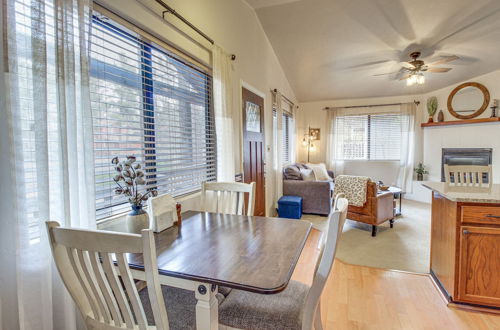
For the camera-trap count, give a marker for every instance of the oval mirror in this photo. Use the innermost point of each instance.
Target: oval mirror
(468, 100)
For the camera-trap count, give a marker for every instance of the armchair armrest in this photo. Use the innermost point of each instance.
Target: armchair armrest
(383, 205)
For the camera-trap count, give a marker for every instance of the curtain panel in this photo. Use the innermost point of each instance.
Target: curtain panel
(47, 146)
(223, 108)
(278, 146)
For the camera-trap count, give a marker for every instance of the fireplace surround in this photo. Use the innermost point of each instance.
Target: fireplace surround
(465, 156)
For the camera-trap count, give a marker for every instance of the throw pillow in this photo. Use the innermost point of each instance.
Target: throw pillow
(320, 172)
(307, 174)
(292, 172)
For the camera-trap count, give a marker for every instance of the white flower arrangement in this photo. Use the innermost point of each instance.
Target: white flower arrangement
(128, 179)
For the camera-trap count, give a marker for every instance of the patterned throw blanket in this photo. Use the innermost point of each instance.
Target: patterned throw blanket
(353, 187)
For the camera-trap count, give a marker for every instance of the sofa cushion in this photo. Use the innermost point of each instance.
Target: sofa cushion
(291, 172)
(307, 174)
(320, 171)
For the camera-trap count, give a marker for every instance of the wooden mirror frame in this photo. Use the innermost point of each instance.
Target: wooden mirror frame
(479, 111)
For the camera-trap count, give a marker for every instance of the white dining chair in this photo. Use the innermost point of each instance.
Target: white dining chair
(467, 176)
(93, 266)
(296, 307)
(228, 197)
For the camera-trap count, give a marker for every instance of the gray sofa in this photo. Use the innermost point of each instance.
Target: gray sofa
(316, 195)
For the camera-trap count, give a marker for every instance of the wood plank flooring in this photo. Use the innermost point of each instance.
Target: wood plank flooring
(358, 297)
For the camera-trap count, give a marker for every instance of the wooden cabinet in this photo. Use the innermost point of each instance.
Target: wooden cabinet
(479, 273)
(465, 250)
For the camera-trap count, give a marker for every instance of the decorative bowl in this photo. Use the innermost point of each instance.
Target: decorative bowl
(384, 188)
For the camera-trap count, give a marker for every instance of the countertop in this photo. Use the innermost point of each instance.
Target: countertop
(466, 194)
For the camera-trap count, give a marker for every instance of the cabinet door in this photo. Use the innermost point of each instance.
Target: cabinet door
(479, 276)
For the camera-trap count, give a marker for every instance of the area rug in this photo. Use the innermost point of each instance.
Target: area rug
(405, 247)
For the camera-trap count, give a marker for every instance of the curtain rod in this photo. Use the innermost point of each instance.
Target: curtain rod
(188, 23)
(185, 21)
(372, 105)
(286, 98)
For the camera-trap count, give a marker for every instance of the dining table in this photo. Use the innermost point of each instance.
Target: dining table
(208, 250)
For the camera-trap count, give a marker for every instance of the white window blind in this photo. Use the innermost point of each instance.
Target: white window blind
(369, 137)
(148, 103)
(288, 137)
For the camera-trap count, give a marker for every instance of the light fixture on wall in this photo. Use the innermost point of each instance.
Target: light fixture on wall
(311, 135)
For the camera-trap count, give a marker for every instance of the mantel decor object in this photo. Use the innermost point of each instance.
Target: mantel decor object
(129, 176)
(432, 105)
(468, 100)
(494, 108)
(440, 116)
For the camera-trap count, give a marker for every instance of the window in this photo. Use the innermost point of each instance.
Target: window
(368, 137)
(151, 104)
(288, 136)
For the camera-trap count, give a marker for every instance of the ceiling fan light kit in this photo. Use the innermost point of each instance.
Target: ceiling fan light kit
(415, 68)
(415, 79)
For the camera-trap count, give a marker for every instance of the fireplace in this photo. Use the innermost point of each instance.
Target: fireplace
(465, 156)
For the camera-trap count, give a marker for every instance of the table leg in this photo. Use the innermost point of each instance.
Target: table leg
(207, 307)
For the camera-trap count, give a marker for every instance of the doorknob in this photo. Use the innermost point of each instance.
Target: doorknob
(466, 232)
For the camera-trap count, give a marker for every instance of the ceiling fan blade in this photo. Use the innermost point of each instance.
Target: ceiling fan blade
(384, 74)
(438, 70)
(446, 59)
(407, 65)
(405, 77)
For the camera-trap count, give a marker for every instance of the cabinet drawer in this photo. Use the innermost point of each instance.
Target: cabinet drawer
(481, 214)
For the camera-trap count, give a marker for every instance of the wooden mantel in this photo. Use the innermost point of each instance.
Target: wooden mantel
(462, 122)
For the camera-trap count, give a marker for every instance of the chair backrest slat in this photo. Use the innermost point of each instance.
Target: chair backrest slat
(88, 273)
(132, 293)
(94, 268)
(117, 288)
(336, 220)
(468, 175)
(105, 288)
(228, 197)
(77, 268)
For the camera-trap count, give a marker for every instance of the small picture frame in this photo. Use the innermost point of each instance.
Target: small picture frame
(314, 134)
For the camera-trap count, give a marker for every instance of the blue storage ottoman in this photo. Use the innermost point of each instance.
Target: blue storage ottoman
(290, 207)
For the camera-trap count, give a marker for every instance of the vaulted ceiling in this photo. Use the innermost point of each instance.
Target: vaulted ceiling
(331, 49)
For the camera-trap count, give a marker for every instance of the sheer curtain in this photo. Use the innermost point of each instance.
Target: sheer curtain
(278, 149)
(406, 160)
(332, 160)
(223, 106)
(47, 154)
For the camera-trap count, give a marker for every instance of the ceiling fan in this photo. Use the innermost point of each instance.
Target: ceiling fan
(413, 70)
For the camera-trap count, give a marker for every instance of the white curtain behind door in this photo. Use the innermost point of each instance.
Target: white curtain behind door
(47, 154)
(277, 147)
(223, 107)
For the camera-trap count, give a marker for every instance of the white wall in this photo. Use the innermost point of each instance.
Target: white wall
(235, 27)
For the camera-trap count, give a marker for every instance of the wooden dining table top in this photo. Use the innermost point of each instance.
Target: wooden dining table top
(255, 254)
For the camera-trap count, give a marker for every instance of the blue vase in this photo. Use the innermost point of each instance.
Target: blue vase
(136, 210)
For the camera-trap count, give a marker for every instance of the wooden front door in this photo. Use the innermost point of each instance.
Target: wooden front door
(254, 147)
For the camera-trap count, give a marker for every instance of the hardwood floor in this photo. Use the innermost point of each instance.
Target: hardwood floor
(358, 297)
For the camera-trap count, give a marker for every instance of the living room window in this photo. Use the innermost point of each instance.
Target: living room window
(368, 137)
(149, 103)
(288, 137)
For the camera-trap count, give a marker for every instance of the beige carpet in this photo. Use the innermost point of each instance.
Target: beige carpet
(405, 247)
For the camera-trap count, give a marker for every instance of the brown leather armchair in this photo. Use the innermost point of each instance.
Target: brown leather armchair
(378, 208)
